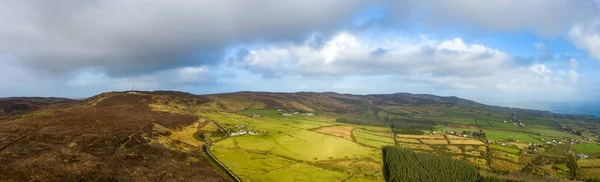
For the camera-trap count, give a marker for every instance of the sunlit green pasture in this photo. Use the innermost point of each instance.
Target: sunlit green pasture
(505, 135)
(586, 148)
(286, 141)
(505, 149)
(554, 133)
(248, 165)
(301, 172)
(371, 139)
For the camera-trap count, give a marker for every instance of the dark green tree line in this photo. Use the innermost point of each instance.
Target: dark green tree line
(405, 165)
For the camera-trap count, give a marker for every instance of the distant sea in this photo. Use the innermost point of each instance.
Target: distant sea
(564, 108)
(557, 107)
(575, 108)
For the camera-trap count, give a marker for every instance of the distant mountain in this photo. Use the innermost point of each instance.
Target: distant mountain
(330, 101)
(24, 104)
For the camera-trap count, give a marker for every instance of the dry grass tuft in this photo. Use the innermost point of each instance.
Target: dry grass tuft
(415, 146)
(588, 163)
(435, 142)
(458, 157)
(432, 137)
(503, 165)
(466, 142)
(481, 163)
(454, 149)
(454, 137)
(407, 140)
(475, 153)
(179, 139)
(342, 131)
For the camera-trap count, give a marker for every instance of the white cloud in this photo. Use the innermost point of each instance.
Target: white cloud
(586, 36)
(540, 69)
(193, 74)
(343, 54)
(573, 63)
(450, 64)
(573, 75)
(540, 46)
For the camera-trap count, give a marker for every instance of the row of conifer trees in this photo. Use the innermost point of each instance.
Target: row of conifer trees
(405, 165)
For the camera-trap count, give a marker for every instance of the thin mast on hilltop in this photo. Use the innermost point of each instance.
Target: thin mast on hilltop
(133, 88)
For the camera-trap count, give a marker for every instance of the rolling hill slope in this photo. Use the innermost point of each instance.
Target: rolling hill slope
(158, 136)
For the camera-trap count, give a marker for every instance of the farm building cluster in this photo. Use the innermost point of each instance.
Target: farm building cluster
(243, 131)
(284, 113)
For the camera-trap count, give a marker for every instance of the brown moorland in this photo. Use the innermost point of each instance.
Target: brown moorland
(109, 137)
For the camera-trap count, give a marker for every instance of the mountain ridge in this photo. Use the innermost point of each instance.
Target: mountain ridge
(401, 98)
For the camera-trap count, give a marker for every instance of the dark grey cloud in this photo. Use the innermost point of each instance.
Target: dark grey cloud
(142, 36)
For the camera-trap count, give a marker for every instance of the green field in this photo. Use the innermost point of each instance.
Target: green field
(554, 133)
(502, 124)
(558, 151)
(299, 144)
(293, 152)
(505, 135)
(586, 148)
(301, 172)
(505, 149)
(288, 147)
(368, 138)
(287, 144)
(465, 121)
(246, 164)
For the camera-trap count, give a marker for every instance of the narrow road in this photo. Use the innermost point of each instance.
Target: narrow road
(206, 149)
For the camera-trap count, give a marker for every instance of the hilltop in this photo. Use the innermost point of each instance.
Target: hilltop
(111, 136)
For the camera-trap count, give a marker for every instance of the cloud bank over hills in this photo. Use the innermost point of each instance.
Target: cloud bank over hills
(493, 50)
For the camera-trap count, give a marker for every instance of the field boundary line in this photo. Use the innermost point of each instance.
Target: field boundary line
(353, 136)
(352, 175)
(488, 123)
(447, 140)
(352, 139)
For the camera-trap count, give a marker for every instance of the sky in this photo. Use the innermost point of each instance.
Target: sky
(496, 51)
